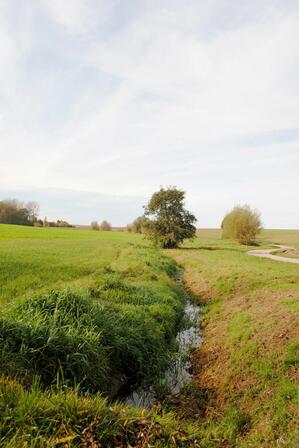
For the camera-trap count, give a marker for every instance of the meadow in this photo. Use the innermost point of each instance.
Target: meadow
(246, 372)
(89, 307)
(83, 312)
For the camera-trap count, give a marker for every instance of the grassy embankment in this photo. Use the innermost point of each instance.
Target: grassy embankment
(81, 312)
(245, 390)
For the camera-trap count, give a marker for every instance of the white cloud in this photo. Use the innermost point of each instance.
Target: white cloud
(73, 15)
(204, 95)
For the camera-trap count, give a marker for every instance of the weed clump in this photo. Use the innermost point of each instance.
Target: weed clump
(94, 338)
(55, 336)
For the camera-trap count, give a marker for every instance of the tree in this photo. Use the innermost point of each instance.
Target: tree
(105, 225)
(62, 223)
(138, 225)
(241, 224)
(13, 211)
(94, 225)
(170, 222)
(33, 210)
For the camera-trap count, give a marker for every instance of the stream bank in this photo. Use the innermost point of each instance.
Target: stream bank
(178, 374)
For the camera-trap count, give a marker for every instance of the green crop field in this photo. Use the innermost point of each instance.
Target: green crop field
(82, 312)
(35, 258)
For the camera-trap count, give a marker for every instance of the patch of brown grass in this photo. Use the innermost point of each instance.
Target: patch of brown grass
(275, 325)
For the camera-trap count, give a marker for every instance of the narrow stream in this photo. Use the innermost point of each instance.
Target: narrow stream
(178, 375)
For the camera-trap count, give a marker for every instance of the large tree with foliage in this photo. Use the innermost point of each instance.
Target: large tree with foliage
(241, 224)
(169, 222)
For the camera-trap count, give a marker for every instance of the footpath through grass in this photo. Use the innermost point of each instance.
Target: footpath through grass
(82, 313)
(245, 390)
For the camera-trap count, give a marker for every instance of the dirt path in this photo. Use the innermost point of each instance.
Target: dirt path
(268, 253)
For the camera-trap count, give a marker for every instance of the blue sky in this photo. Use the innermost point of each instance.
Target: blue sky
(101, 102)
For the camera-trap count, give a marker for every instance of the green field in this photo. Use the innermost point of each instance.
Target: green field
(81, 311)
(272, 236)
(115, 298)
(84, 310)
(281, 236)
(35, 258)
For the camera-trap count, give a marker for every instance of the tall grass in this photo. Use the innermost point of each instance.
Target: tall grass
(116, 326)
(35, 418)
(82, 314)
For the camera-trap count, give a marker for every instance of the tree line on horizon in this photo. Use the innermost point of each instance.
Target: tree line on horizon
(13, 211)
(165, 221)
(104, 226)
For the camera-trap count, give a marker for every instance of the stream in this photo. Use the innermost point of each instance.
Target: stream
(178, 375)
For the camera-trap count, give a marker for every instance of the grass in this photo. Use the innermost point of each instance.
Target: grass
(248, 364)
(38, 258)
(105, 306)
(34, 418)
(272, 236)
(82, 313)
(281, 236)
(293, 253)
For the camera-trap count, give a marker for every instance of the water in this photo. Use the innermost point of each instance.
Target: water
(178, 375)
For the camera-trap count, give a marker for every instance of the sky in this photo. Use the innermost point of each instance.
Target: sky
(104, 101)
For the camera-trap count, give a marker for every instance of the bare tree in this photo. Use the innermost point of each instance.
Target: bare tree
(33, 211)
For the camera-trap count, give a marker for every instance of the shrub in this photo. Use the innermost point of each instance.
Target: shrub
(94, 225)
(92, 339)
(55, 336)
(139, 225)
(130, 228)
(105, 225)
(241, 224)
